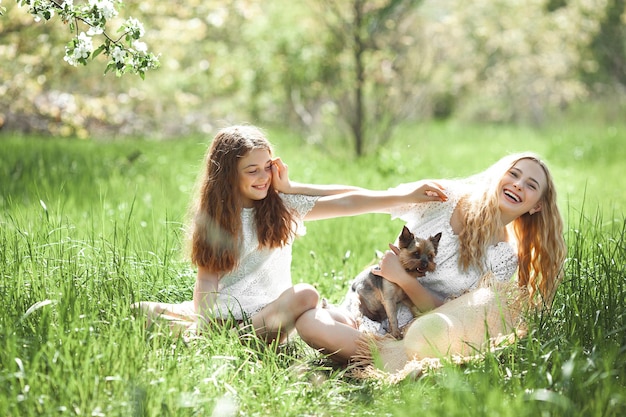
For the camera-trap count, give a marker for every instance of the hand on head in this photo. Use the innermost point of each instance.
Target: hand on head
(280, 175)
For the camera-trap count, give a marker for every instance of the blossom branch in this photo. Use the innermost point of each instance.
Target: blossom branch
(127, 53)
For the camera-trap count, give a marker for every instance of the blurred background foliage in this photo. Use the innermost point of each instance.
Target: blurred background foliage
(351, 70)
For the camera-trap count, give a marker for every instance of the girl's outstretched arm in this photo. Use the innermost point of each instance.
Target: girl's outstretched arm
(204, 295)
(368, 201)
(281, 182)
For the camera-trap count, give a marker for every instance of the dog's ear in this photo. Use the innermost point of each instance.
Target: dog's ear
(406, 237)
(435, 240)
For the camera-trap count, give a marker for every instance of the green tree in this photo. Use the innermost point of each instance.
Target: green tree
(513, 61)
(349, 70)
(366, 46)
(608, 47)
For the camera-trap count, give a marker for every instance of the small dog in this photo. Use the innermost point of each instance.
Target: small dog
(379, 297)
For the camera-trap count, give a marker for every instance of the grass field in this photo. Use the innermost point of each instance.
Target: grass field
(88, 227)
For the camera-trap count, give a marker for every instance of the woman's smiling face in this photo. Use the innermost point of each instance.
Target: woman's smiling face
(255, 176)
(521, 189)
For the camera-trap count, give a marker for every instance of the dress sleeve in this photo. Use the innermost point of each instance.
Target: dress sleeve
(300, 205)
(502, 261)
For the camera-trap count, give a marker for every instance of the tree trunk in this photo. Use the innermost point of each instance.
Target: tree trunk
(358, 117)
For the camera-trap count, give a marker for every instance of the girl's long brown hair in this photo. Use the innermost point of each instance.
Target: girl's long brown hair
(215, 212)
(541, 247)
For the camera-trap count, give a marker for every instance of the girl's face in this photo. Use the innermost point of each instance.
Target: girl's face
(521, 189)
(255, 176)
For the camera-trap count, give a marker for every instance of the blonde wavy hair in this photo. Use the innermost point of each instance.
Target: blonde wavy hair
(541, 248)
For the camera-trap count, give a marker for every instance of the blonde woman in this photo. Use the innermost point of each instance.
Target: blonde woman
(502, 221)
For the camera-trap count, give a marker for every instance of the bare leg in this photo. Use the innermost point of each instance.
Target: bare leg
(278, 319)
(153, 310)
(179, 317)
(321, 331)
(342, 315)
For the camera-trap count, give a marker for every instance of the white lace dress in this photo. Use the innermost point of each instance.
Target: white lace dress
(448, 280)
(262, 274)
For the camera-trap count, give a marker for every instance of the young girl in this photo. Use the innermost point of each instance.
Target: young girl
(493, 224)
(242, 231)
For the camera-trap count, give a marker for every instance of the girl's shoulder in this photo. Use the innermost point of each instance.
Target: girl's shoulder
(299, 203)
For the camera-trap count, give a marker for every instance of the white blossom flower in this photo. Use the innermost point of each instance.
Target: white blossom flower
(118, 55)
(105, 7)
(140, 47)
(68, 6)
(44, 10)
(95, 30)
(83, 46)
(134, 26)
(69, 57)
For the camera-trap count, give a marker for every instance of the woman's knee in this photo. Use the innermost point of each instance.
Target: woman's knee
(430, 336)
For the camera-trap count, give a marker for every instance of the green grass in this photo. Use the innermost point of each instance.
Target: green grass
(86, 228)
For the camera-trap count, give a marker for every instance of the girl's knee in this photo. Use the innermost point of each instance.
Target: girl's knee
(306, 324)
(306, 296)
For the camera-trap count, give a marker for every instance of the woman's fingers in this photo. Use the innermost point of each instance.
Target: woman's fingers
(389, 264)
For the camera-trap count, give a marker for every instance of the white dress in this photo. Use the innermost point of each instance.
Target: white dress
(261, 275)
(448, 280)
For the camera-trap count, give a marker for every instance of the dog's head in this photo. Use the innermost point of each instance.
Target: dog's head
(417, 255)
